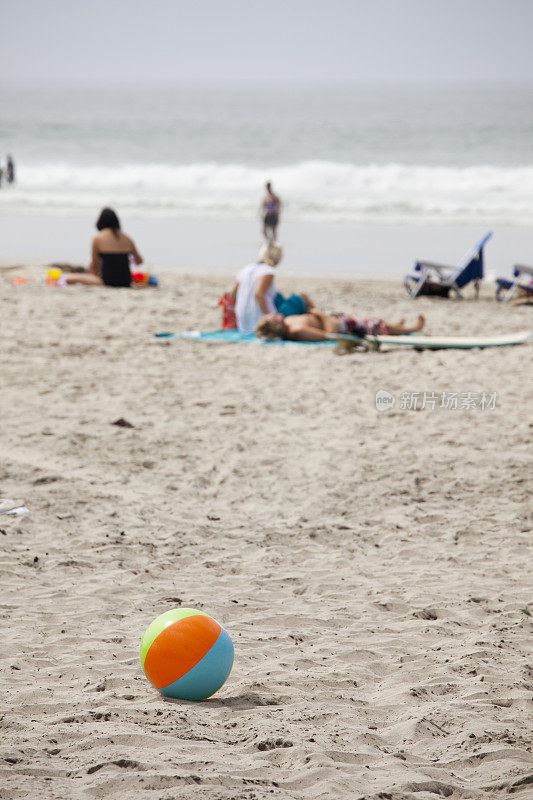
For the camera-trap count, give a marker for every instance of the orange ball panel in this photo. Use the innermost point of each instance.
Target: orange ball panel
(178, 648)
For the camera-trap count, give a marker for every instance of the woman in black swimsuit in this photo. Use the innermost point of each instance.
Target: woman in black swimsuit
(111, 251)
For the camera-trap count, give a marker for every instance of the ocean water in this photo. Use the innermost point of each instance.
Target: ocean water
(364, 155)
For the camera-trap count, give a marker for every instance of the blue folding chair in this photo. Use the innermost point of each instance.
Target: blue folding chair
(519, 286)
(440, 280)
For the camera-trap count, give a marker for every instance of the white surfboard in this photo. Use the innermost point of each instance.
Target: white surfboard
(413, 340)
(451, 342)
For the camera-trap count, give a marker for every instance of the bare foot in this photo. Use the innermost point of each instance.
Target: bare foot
(400, 329)
(420, 322)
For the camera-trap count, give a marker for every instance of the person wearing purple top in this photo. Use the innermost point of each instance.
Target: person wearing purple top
(270, 208)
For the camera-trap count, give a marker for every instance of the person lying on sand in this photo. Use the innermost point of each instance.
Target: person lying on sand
(111, 250)
(315, 326)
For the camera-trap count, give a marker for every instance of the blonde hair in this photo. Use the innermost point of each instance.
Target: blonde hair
(268, 328)
(271, 253)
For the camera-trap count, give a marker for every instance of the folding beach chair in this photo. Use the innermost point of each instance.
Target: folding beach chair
(440, 280)
(520, 285)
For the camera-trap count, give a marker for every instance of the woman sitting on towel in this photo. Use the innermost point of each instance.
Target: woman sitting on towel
(315, 326)
(255, 294)
(110, 256)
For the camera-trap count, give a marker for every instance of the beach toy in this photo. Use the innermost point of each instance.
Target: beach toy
(55, 277)
(144, 277)
(186, 654)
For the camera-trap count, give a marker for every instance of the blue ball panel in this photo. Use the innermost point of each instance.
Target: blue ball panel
(208, 675)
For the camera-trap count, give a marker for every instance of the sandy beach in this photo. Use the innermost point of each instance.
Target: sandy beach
(372, 568)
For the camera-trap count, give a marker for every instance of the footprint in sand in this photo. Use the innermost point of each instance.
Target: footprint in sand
(272, 744)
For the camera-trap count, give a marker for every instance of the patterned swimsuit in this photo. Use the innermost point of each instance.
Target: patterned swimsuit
(357, 326)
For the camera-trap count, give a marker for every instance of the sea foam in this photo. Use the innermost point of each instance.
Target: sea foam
(311, 191)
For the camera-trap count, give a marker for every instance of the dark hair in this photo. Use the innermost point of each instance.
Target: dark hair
(268, 185)
(108, 219)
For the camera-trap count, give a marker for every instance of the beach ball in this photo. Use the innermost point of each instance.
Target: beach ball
(186, 654)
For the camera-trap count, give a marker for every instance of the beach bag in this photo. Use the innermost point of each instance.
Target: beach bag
(229, 320)
(434, 289)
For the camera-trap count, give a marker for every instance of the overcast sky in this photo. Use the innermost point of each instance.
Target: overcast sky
(267, 41)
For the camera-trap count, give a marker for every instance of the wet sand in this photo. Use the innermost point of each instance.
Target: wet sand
(325, 250)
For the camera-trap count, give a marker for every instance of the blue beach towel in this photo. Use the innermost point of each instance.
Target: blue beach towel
(232, 337)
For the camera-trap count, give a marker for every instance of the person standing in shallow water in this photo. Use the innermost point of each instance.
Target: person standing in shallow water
(10, 169)
(270, 208)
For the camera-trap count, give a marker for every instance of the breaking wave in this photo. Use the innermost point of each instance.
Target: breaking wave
(319, 191)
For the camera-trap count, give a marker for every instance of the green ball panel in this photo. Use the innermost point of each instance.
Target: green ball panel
(160, 623)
